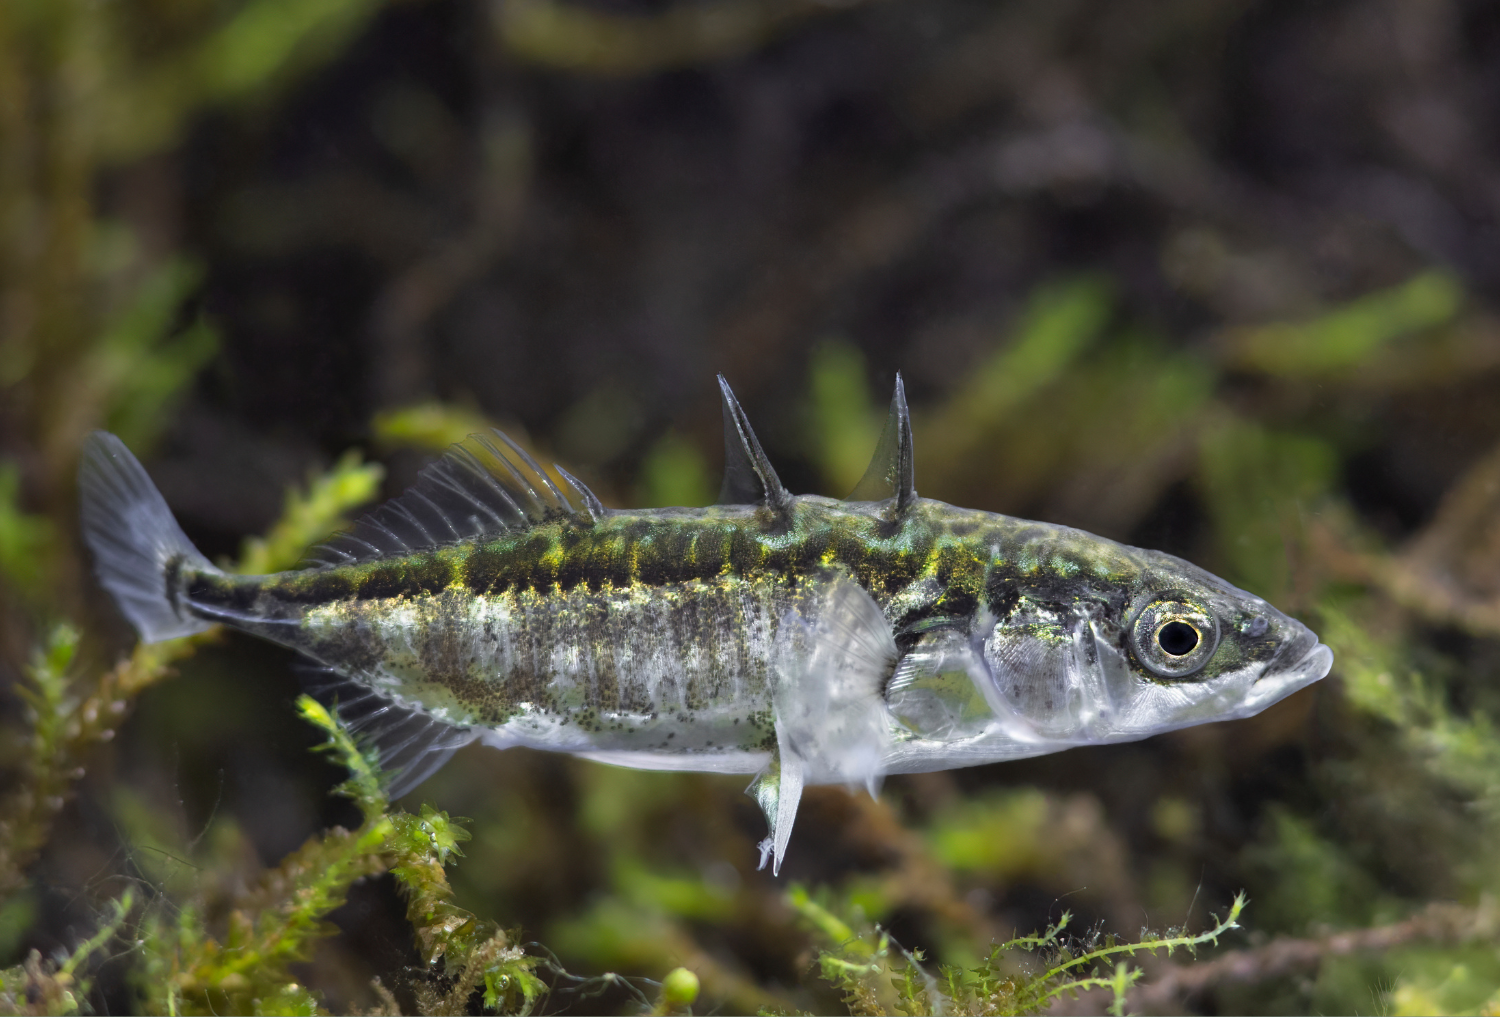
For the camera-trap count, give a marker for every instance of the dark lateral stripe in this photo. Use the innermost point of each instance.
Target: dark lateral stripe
(652, 553)
(670, 554)
(215, 589)
(393, 577)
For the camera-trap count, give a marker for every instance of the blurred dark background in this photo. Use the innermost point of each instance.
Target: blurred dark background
(579, 249)
(1213, 278)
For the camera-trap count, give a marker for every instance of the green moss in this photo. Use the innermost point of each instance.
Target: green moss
(1023, 975)
(309, 515)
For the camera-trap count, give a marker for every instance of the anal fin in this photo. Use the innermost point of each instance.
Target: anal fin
(413, 744)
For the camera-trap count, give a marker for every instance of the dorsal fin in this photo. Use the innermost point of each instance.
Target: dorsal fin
(479, 487)
(591, 503)
(749, 478)
(891, 474)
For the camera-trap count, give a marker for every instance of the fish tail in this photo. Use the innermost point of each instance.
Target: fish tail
(139, 550)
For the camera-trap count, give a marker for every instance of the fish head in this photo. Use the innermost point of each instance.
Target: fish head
(1198, 649)
(1170, 646)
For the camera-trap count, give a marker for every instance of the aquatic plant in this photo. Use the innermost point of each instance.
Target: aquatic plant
(1022, 975)
(181, 961)
(1316, 428)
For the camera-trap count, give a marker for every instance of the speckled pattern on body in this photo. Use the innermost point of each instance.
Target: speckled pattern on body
(654, 626)
(802, 638)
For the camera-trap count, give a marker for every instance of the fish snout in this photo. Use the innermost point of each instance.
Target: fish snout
(1301, 660)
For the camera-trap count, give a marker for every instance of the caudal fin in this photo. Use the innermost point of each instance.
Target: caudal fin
(137, 544)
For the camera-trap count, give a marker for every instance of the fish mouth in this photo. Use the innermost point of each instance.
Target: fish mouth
(1310, 667)
(1310, 661)
(1301, 657)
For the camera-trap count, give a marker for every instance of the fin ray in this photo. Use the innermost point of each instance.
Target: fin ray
(478, 488)
(591, 503)
(137, 544)
(413, 744)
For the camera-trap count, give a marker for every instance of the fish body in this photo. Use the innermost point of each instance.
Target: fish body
(803, 639)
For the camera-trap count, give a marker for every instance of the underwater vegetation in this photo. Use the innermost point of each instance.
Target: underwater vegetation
(1206, 278)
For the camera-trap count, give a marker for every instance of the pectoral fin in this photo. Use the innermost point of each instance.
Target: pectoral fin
(942, 688)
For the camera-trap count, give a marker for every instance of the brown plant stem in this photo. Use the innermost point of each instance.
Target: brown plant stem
(1177, 984)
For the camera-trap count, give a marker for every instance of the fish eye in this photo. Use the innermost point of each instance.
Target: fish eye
(1173, 637)
(1177, 638)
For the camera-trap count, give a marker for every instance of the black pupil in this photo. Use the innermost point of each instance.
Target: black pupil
(1177, 638)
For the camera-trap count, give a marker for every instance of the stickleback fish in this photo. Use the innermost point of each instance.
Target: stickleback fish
(804, 639)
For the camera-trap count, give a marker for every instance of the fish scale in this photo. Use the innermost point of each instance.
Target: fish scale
(686, 632)
(802, 639)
